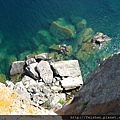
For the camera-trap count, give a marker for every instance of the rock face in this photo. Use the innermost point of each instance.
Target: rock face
(100, 94)
(47, 82)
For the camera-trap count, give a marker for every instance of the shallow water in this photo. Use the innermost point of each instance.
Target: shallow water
(20, 20)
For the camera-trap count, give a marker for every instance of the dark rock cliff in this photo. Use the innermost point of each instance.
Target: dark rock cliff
(100, 94)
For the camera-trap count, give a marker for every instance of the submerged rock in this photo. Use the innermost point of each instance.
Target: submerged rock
(79, 22)
(62, 30)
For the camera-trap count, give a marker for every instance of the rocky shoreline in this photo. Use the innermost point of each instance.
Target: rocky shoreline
(41, 96)
(49, 84)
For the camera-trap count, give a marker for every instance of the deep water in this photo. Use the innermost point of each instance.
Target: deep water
(20, 20)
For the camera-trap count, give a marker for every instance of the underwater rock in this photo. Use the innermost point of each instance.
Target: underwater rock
(84, 36)
(62, 30)
(99, 38)
(67, 68)
(17, 67)
(87, 49)
(79, 23)
(44, 37)
(45, 71)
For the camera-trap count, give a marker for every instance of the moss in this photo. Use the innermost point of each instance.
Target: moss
(62, 102)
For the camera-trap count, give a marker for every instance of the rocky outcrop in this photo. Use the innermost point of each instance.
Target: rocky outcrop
(100, 94)
(48, 82)
(100, 38)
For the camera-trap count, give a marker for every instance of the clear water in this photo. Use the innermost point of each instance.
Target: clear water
(20, 20)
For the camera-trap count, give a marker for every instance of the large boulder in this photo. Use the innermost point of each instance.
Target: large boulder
(62, 30)
(99, 38)
(67, 68)
(71, 82)
(17, 67)
(100, 94)
(45, 71)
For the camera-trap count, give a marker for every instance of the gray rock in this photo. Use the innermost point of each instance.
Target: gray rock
(45, 71)
(100, 94)
(20, 89)
(30, 61)
(31, 70)
(71, 82)
(57, 83)
(17, 67)
(57, 88)
(39, 98)
(28, 81)
(100, 38)
(9, 84)
(42, 56)
(67, 68)
(47, 91)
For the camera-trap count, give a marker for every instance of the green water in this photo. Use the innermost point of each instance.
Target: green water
(21, 20)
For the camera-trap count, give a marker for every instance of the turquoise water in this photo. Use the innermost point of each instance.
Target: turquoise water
(20, 20)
